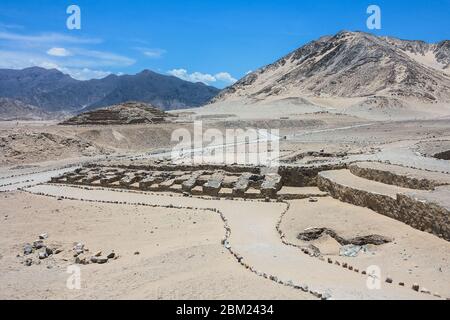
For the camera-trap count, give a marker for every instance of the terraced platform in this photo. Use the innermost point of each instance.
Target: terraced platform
(399, 176)
(428, 211)
(439, 196)
(424, 210)
(121, 114)
(292, 193)
(216, 183)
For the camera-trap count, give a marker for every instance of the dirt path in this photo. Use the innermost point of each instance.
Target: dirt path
(413, 256)
(255, 238)
(21, 181)
(180, 253)
(401, 153)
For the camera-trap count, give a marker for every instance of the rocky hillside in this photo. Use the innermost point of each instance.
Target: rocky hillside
(11, 109)
(353, 64)
(121, 114)
(31, 147)
(52, 90)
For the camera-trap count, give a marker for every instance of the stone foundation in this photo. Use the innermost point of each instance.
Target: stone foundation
(293, 176)
(383, 204)
(402, 179)
(250, 183)
(215, 183)
(423, 215)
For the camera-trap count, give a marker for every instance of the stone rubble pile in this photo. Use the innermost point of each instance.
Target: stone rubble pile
(39, 251)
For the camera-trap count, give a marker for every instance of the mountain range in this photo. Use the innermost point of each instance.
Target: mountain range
(11, 109)
(364, 73)
(352, 65)
(52, 91)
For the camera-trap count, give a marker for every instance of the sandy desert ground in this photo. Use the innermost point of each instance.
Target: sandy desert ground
(180, 254)
(169, 246)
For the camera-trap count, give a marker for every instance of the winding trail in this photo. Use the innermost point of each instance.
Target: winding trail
(254, 237)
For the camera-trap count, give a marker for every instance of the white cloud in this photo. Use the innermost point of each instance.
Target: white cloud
(59, 52)
(18, 51)
(48, 65)
(69, 58)
(206, 78)
(45, 38)
(10, 26)
(225, 77)
(151, 53)
(192, 77)
(79, 74)
(85, 73)
(20, 60)
(105, 58)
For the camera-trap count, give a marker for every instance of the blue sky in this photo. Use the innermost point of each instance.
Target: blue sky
(214, 41)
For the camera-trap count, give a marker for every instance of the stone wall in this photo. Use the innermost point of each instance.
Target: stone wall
(380, 203)
(422, 215)
(388, 177)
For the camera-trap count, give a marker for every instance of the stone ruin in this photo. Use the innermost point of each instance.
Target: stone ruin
(418, 198)
(217, 183)
(121, 114)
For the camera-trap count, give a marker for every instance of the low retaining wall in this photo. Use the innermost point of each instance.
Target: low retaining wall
(380, 203)
(392, 178)
(424, 216)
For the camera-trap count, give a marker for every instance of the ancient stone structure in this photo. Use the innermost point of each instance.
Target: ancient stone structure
(295, 176)
(424, 210)
(217, 183)
(271, 185)
(399, 176)
(380, 187)
(429, 212)
(125, 113)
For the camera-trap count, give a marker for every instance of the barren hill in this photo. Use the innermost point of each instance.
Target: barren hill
(11, 109)
(350, 65)
(25, 147)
